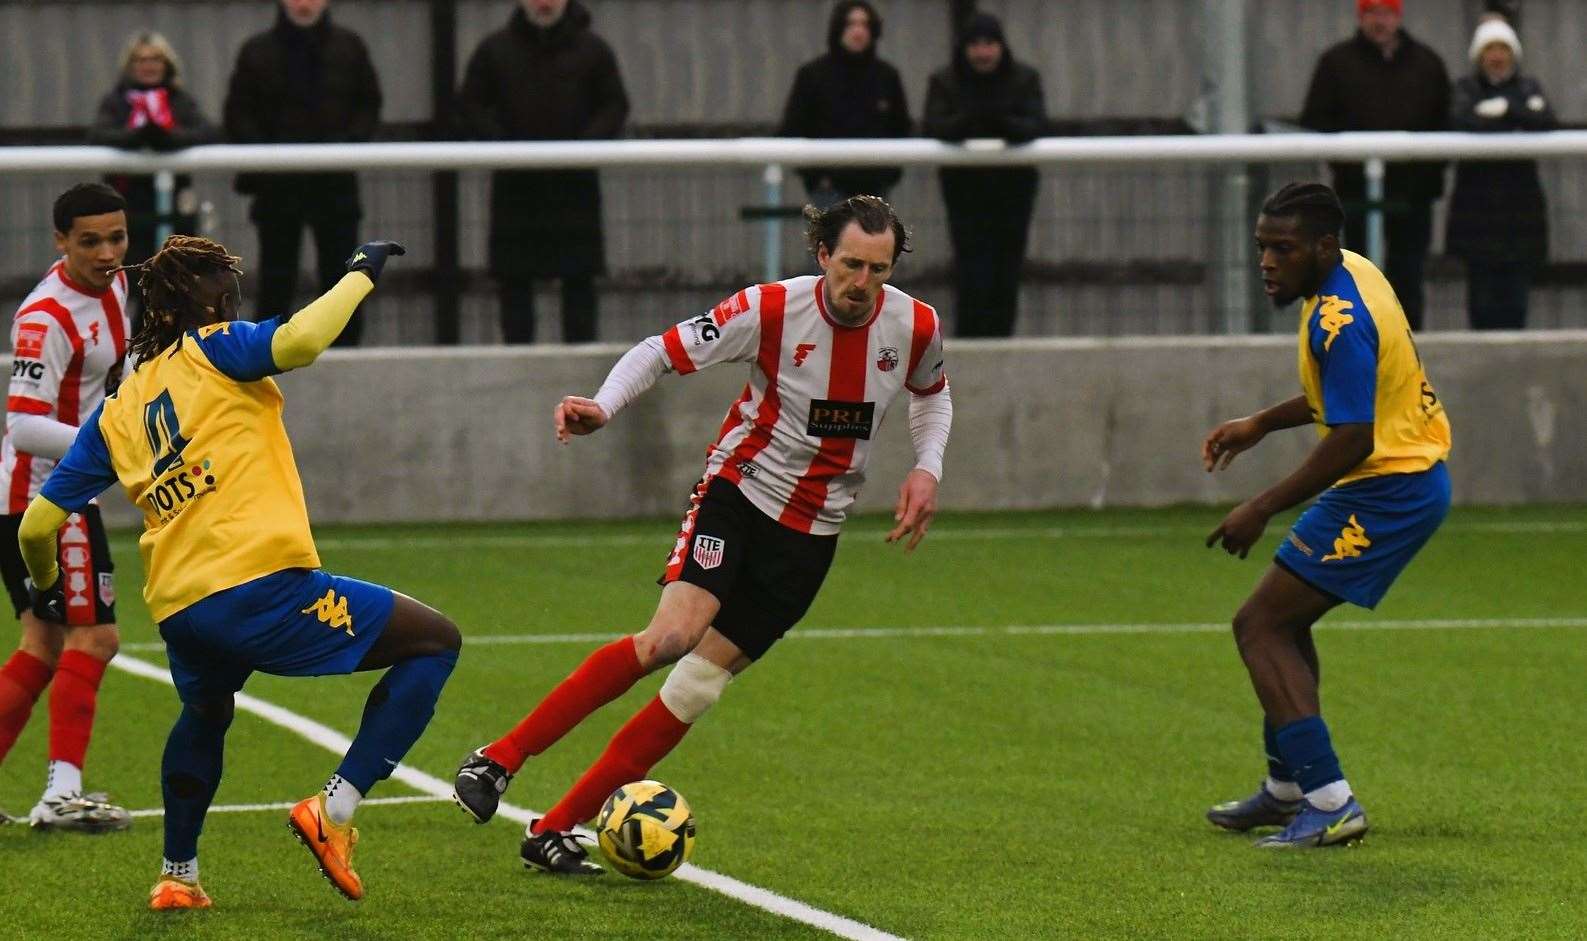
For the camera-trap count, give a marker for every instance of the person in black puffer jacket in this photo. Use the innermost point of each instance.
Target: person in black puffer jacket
(545, 76)
(1498, 221)
(304, 80)
(847, 93)
(986, 93)
(149, 109)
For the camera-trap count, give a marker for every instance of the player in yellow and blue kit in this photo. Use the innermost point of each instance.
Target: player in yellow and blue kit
(1380, 470)
(195, 437)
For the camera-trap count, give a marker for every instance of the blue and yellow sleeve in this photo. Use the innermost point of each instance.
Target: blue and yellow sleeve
(1344, 339)
(241, 349)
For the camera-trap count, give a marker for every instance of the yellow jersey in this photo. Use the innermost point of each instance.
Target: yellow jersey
(195, 438)
(1359, 363)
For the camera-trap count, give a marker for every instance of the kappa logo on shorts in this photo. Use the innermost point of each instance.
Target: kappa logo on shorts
(1352, 539)
(708, 551)
(332, 612)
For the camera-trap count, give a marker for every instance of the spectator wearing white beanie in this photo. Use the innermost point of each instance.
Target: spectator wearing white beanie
(1498, 220)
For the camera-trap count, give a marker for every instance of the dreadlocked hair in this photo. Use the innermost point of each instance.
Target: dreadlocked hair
(168, 281)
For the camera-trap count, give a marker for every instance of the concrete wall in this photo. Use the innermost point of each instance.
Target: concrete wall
(388, 435)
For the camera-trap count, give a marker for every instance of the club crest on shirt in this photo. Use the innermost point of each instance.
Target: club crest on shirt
(708, 551)
(887, 359)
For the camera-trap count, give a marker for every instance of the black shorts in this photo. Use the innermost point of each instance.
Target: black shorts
(84, 556)
(765, 574)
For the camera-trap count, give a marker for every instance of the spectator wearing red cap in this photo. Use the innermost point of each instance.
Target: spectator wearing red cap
(1381, 79)
(1498, 221)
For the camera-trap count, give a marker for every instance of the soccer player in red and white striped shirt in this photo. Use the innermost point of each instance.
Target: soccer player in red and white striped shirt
(68, 343)
(827, 355)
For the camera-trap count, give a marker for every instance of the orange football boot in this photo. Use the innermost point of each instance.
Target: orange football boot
(331, 845)
(172, 894)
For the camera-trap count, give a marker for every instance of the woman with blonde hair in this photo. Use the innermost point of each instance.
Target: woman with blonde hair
(149, 109)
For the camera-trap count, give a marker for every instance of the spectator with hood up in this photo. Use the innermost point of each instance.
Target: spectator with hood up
(986, 93)
(545, 76)
(304, 80)
(848, 93)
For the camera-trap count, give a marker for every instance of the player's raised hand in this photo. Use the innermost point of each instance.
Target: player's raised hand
(1240, 530)
(1229, 439)
(576, 415)
(917, 504)
(370, 258)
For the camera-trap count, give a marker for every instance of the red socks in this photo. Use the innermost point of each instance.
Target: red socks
(633, 751)
(22, 679)
(72, 699)
(605, 675)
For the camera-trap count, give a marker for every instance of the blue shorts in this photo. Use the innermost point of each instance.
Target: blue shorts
(296, 622)
(1356, 539)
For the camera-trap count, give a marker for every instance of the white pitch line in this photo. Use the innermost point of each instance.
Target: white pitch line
(1067, 630)
(947, 533)
(334, 741)
(288, 805)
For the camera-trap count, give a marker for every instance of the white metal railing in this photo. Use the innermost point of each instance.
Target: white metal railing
(760, 151)
(1373, 149)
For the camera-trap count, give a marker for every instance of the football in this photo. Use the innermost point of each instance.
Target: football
(646, 830)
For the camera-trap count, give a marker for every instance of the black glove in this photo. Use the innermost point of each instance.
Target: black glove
(49, 604)
(371, 257)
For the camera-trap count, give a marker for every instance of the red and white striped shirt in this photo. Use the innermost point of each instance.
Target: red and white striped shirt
(797, 441)
(66, 342)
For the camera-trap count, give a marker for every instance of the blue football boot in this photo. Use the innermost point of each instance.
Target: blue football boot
(1261, 809)
(1313, 827)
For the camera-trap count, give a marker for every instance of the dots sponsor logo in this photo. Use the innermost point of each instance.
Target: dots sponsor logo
(179, 488)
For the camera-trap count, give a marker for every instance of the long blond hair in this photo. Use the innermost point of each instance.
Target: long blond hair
(148, 37)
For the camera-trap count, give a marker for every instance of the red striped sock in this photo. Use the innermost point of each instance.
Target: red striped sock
(22, 679)
(605, 675)
(633, 751)
(72, 701)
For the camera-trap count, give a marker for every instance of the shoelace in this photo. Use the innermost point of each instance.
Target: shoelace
(565, 844)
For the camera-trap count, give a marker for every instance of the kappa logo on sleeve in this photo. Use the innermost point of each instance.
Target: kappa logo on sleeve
(30, 340)
(1333, 318)
(833, 419)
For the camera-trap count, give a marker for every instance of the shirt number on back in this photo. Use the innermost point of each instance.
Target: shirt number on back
(164, 431)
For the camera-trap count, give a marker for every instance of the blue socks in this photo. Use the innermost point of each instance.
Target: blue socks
(1276, 768)
(398, 709)
(1308, 753)
(189, 774)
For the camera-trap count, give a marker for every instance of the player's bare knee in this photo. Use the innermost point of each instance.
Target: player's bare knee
(693, 687)
(45, 643)
(664, 642)
(101, 641)
(447, 635)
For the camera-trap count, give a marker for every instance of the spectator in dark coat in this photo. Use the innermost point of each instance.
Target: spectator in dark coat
(1498, 221)
(847, 93)
(545, 76)
(149, 109)
(304, 80)
(985, 93)
(1381, 79)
